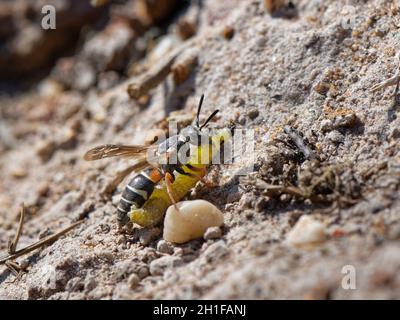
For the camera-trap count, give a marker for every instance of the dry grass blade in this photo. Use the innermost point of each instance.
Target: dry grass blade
(13, 253)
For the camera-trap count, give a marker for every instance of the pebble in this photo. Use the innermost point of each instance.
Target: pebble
(165, 247)
(85, 76)
(90, 284)
(24, 263)
(394, 231)
(45, 149)
(191, 221)
(115, 199)
(306, 233)
(253, 113)
(143, 272)
(158, 266)
(49, 88)
(261, 204)
(58, 177)
(212, 233)
(233, 197)
(178, 251)
(121, 239)
(67, 139)
(326, 125)
(147, 235)
(242, 120)
(104, 228)
(84, 210)
(228, 32)
(106, 255)
(216, 251)
(133, 281)
(99, 293)
(18, 172)
(285, 198)
(74, 284)
(335, 136)
(347, 120)
(147, 255)
(245, 201)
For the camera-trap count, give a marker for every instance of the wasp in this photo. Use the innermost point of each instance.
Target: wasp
(160, 181)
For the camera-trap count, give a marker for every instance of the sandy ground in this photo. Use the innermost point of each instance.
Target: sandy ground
(263, 72)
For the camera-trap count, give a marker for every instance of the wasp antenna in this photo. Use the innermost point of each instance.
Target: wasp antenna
(212, 115)
(198, 111)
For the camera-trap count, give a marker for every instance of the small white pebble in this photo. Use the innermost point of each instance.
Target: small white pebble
(58, 177)
(164, 247)
(191, 220)
(306, 233)
(49, 88)
(115, 199)
(178, 252)
(133, 281)
(335, 136)
(18, 171)
(24, 263)
(326, 125)
(213, 233)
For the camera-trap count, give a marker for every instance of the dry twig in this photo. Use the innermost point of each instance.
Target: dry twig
(13, 253)
(154, 76)
(299, 142)
(391, 81)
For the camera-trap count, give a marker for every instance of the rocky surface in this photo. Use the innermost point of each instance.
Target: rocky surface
(308, 65)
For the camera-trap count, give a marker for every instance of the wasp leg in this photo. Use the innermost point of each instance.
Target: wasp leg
(202, 177)
(202, 172)
(169, 179)
(12, 244)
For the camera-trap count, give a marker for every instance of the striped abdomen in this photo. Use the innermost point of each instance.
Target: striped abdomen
(138, 190)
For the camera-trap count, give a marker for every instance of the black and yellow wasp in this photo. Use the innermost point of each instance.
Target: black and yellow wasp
(162, 183)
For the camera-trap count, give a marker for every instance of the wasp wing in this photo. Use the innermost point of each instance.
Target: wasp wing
(113, 150)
